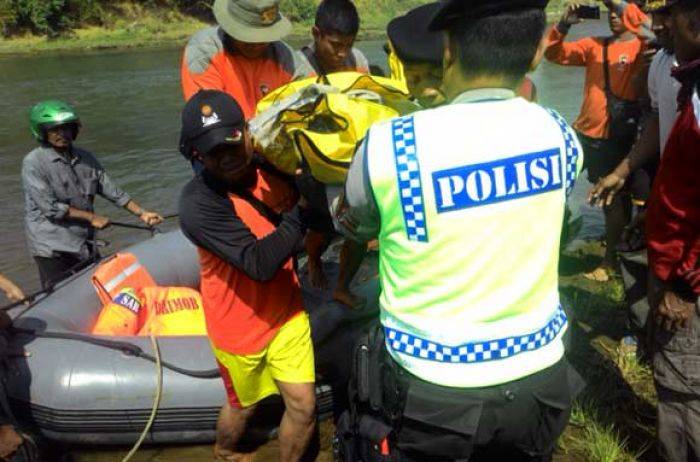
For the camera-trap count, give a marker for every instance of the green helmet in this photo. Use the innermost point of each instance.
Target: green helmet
(49, 114)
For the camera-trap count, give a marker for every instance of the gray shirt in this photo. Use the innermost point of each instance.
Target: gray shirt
(53, 183)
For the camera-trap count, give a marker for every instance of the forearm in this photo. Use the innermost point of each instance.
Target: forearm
(80, 215)
(134, 208)
(261, 259)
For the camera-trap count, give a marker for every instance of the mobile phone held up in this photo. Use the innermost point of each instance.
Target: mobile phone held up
(588, 12)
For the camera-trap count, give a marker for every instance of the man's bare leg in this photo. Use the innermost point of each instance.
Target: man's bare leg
(316, 243)
(298, 421)
(351, 255)
(229, 428)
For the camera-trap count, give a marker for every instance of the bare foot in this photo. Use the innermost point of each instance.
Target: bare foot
(316, 275)
(348, 299)
(226, 455)
(600, 274)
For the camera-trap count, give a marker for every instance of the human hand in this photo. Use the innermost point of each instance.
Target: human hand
(100, 222)
(10, 441)
(151, 218)
(14, 293)
(673, 312)
(605, 190)
(569, 17)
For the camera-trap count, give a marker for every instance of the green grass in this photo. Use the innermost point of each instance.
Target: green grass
(137, 26)
(614, 417)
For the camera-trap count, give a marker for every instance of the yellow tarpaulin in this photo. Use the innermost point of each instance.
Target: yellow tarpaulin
(322, 120)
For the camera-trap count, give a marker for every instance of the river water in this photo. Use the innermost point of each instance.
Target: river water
(129, 103)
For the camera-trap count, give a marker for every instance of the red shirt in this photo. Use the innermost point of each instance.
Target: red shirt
(673, 216)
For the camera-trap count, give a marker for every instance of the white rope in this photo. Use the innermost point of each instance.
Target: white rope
(156, 401)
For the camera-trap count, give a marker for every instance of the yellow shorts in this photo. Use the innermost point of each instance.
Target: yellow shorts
(288, 358)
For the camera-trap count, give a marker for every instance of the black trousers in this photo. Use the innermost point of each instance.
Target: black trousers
(53, 270)
(518, 421)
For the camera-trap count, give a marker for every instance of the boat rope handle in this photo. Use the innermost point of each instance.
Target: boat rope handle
(127, 348)
(156, 401)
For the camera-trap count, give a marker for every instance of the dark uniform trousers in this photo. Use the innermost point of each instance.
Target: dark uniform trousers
(676, 361)
(403, 418)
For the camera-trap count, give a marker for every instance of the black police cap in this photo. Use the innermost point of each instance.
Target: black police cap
(210, 118)
(411, 39)
(453, 11)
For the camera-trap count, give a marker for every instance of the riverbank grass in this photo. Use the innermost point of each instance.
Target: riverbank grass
(137, 26)
(614, 417)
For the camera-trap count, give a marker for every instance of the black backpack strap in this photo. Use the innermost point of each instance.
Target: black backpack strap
(606, 66)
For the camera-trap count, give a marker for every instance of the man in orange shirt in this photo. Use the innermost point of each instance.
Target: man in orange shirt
(247, 227)
(603, 149)
(244, 55)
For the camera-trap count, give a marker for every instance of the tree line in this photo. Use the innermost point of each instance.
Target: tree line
(53, 18)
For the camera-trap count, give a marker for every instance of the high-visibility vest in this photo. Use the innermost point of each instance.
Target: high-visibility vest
(159, 311)
(471, 200)
(118, 272)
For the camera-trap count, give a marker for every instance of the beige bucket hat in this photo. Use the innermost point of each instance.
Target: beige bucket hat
(252, 21)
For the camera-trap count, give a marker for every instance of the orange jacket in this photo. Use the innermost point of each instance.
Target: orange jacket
(118, 272)
(588, 52)
(159, 311)
(209, 63)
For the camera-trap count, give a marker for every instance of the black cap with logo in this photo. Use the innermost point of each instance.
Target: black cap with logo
(411, 39)
(210, 118)
(453, 11)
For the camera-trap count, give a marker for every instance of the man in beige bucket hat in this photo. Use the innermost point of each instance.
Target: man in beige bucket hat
(243, 55)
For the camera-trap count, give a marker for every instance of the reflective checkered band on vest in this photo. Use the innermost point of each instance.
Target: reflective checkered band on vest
(408, 172)
(571, 150)
(478, 352)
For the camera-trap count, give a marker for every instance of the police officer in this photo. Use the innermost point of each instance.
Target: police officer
(467, 202)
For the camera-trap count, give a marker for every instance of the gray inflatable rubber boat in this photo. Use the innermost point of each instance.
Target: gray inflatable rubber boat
(78, 391)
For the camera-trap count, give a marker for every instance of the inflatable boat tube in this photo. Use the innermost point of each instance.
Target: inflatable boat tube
(77, 392)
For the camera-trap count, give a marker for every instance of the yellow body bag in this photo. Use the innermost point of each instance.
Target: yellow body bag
(322, 120)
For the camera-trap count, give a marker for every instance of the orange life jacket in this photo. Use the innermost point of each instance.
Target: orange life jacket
(118, 272)
(160, 311)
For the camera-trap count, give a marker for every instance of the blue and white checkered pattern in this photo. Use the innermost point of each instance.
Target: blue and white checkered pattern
(571, 150)
(408, 172)
(479, 352)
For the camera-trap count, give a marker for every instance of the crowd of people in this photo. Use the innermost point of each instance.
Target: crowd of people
(464, 200)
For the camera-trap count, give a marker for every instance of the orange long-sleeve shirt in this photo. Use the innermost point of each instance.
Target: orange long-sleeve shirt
(588, 52)
(635, 20)
(208, 64)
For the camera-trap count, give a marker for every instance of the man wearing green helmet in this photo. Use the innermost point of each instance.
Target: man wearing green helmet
(60, 183)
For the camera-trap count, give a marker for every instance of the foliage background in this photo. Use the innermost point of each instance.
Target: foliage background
(53, 18)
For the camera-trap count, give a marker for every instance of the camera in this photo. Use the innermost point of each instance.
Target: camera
(588, 12)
